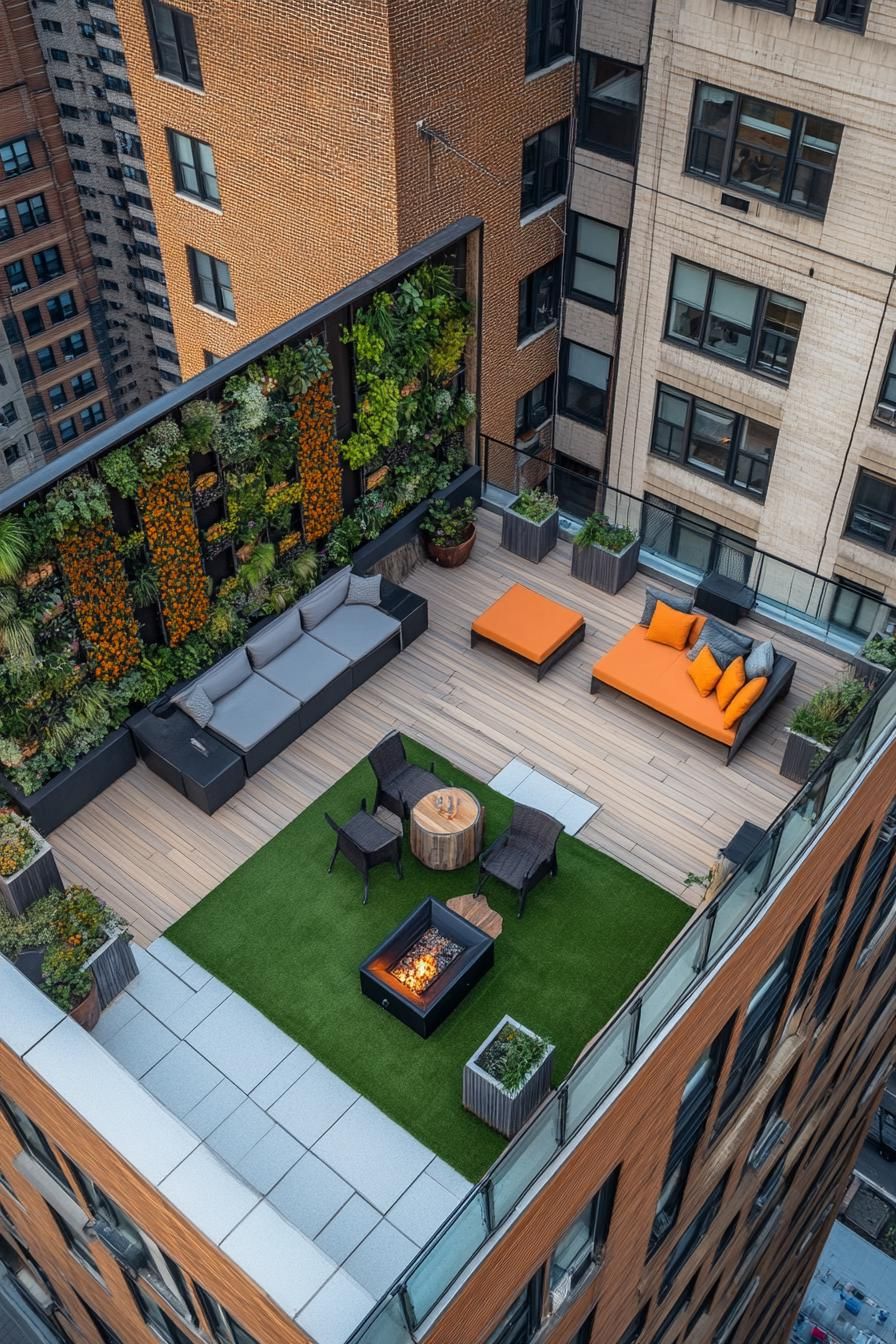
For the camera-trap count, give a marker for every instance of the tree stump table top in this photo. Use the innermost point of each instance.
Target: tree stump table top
(446, 829)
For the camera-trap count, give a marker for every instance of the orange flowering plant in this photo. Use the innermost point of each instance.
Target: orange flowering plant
(320, 470)
(166, 509)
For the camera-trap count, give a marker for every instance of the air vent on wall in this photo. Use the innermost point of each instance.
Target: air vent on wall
(735, 202)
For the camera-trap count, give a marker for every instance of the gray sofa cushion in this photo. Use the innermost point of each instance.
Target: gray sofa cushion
(224, 676)
(677, 601)
(761, 660)
(325, 598)
(364, 589)
(354, 631)
(250, 711)
(196, 703)
(305, 668)
(274, 638)
(725, 644)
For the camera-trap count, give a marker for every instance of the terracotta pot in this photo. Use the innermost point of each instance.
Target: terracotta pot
(449, 557)
(87, 1012)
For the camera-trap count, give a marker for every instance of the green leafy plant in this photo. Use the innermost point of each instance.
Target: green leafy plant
(377, 421)
(291, 370)
(17, 629)
(70, 925)
(200, 422)
(18, 843)
(13, 547)
(144, 586)
(78, 501)
(121, 470)
(599, 531)
(880, 648)
(64, 977)
(254, 571)
(535, 504)
(132, 545)
(512, 1056)
(196, 653)
(829, 712)
(162, 448)
(343, 541)
(446, 526)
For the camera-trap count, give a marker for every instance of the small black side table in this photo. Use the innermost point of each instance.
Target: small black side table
(409, 608)
(724, 597)
(742, 843)
(164, 744)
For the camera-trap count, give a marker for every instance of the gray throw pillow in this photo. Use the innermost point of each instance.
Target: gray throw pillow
(364, 590)
(725, 644)
(197, 704)
(325, 598)
(677, 601)
(276, 637)
(761, 661)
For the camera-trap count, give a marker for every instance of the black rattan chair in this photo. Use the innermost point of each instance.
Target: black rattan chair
(399, 785)
(366, 843)
(524, 854)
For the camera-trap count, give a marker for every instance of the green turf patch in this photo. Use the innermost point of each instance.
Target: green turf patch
(290, 940)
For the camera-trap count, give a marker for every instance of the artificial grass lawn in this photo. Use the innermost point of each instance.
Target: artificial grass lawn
(290, 940)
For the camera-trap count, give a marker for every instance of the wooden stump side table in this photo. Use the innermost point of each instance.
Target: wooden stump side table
(450, 837)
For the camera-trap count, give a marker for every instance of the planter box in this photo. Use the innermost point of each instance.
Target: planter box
(488, 1099)
(607, 570)
(873, 674)
(114, 967)
(468, 485)
(532, 541)
(66, 793)
(799, 753)
(33, 881)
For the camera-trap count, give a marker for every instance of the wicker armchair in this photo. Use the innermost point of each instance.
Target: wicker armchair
(524, 854)
(399, 785)
(366, 843)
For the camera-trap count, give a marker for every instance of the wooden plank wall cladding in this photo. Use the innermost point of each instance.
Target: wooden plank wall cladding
(634, 1134)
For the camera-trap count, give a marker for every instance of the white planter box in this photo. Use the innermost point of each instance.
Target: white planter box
(505, 1111)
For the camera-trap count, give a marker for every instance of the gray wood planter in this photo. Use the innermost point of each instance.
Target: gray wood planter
(607, 570)
(490, 1101)
(873, 674)
(114, 967)
(33, 881)
(530, 540)
(799, 753)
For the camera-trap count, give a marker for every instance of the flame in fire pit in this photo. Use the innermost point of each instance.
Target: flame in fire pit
(419, 975)
(425, 961)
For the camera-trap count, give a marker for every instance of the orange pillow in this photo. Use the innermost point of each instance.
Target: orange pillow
(730, 682)
(704, 671)
(745, 697)
(668, 626)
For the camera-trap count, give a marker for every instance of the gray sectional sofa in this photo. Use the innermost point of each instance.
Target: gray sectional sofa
(297, 667)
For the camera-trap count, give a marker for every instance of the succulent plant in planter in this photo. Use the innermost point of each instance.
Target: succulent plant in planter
(605, 554)
(876, 659)
(450, 533)
(530, 525)
(508, 1076)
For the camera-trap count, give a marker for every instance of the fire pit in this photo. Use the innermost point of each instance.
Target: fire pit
(426, 966)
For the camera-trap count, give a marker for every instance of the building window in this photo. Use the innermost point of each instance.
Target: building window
(6, 229)
(535, 407)
(81, 166)
(851, 14)
(71, 113)
(75, 1246)
(539, 300)
(63, 83)
(885, 411)
(733, 320)
(523, 1318)
(33, 320)
(726, 1239)
(761, 147)
(61, 307)
(82, 383)
(584, 380)
(595, 254)
(51, 25)
(872, 513)
(682, 1303)
(733, 449)
(582, 1245)
(32, 212)
(17, 277)
(610, 107)
(47, 264)
(33, 1140)
(211, 282)
(635, 1328)
(544, 167)
(224, 1328)
(550, 31)
(67, 429)
(93, 415)
(173, 38)
(193, 165)
(59, 54)
(11, 453)
(105, 1332)
(830, 916)
(158, 1321)
(8, 413)
(693, 1113)
(208, 358)
(57, 396)
(73, 346)
(15, 157)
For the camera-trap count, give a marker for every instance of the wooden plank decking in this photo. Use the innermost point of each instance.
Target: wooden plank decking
(667, 799)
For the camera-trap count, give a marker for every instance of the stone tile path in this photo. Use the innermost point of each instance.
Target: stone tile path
(524, 784)
(351, 1181)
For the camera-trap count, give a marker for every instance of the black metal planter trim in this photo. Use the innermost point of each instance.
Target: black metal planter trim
(66, 793)
(468, 485)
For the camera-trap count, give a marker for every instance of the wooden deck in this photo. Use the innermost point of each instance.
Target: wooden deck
(667, 799)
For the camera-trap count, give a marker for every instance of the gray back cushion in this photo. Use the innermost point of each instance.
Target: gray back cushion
(325, 598)
(364, 590)
(225, 676)
(725, 644)
(678, 602)
(276, 637)
(761, 661)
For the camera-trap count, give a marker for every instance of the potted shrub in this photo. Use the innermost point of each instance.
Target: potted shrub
(604, 554)
(876, 659)
(27, 865)
(508, 1076)
(817, 725)
(72, 987)
(530, 525)
(450, 533)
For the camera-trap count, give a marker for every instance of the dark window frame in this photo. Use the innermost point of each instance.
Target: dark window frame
(574, 254)
(48, 264)
(224, 1329)
(36, 1144)
(600, 420)
(599, 1211)
(68, 305)
(546, 188)
(6, 229)
(197, 280)
(886, 397)
(889, 546)
(176, 54)
(16, 276)
(545, 281)
(691, 1237)
(528, 404)
(858, 24)
(35, 212)
(543, 16)
(604, 145)
(21, 158)
(203, 177)
(738, 451)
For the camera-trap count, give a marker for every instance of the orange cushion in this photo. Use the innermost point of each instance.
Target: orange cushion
(704, 671)
(668, 626)
(730, 682)
(745, 697)
(527, 623)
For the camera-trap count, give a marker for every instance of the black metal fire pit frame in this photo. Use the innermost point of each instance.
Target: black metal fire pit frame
(425, 1011)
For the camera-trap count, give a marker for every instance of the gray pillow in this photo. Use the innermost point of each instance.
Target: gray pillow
(225, 676)
(677, 601)
(761, 661)
(276, 637)
(364, 590)
(325, 598)
(196, 703)
(725, 644)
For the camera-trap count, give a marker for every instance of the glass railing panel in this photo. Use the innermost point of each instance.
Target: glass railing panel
(670, 982)
(846, 760)
(386, 1327)
(591, 1080)
(524, 1161)
(884, 713)
(799, 821)
(742, 893)
(446, 1256)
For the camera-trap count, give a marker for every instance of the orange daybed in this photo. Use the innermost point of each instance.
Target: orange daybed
(534, 628)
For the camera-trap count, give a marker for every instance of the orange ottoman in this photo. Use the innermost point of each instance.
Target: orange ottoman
(530, 626)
